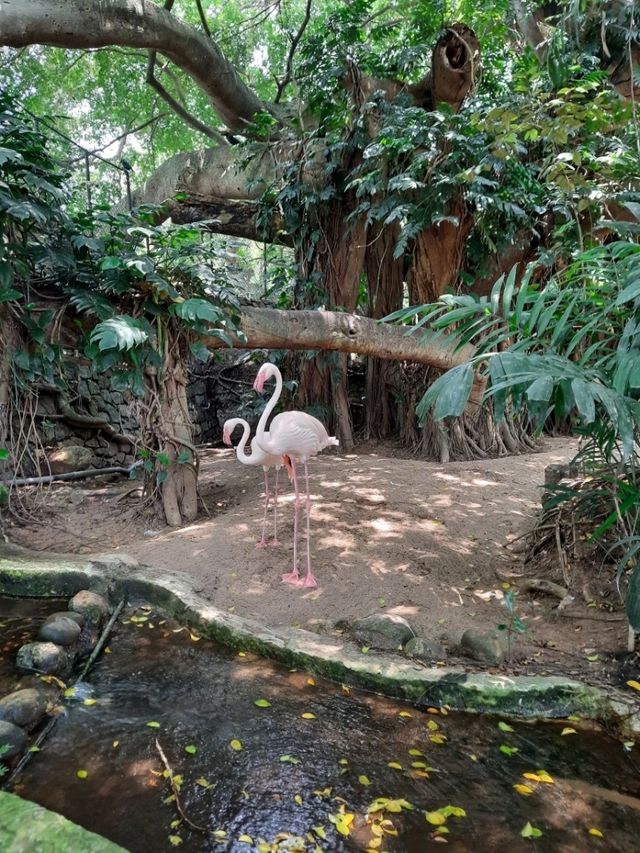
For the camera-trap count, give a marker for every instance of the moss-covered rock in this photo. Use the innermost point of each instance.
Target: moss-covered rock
(28, 828)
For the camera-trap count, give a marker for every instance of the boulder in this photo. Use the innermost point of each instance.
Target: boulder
(71, 458)
(13, 737)
(487, 647)
(63, 631)
(93, 607)
(23, 707)
(43, 657)
(423, 649)
(383, 631)
(69, 614)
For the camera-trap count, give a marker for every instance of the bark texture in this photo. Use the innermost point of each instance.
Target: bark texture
(271, 328)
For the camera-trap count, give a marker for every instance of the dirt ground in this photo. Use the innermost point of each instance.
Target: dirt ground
(389, 534)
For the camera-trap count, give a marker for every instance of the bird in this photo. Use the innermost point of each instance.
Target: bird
(257, 457)
(296, 436)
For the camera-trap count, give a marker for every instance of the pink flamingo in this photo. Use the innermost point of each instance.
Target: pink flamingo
(257, 457)
(296, 436)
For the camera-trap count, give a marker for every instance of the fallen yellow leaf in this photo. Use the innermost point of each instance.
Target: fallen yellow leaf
(235, 744)
(634, 684)
(596, 832)
(525, 790)
(435, 818)
(568, 731)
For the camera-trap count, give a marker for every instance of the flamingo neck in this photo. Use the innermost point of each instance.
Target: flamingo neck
(241, 454)
(262, 423)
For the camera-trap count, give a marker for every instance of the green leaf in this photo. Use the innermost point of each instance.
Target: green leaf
(262, 703)
(191, 749)
(633, 599)
(200, 351)
(120, 333)
(529, 831)
(448, 395)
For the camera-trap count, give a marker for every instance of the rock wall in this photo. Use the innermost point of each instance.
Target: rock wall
(218, 390)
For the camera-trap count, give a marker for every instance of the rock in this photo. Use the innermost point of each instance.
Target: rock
(556, 472)
(12, 737)
(76, 497)
(488, 647)
(383, 630)
(23, 707)
(43, 657)
(68, 614)
(423, 649)
(93, 607)
(72, 458)
(63, 631)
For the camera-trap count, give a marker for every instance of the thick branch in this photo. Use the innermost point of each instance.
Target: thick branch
(233, 218)
(270, 328)
(132, 23)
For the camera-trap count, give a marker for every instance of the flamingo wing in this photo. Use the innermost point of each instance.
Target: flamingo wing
(297, 434)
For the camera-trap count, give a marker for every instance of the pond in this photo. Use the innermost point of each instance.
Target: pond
(266, 755)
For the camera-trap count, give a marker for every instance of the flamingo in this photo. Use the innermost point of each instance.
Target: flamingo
(295, 436)
(257, 457)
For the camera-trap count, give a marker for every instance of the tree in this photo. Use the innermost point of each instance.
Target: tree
(380, 175)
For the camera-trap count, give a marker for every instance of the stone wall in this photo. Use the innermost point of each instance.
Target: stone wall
(218, 390)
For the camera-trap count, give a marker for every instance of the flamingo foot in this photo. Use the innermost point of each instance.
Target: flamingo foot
(292, 578)
(261, 544)
(275, 543)
(309, 581)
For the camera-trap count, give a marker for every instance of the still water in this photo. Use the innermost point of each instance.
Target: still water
(286, 773)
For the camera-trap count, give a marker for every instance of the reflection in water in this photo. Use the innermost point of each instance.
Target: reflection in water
(292, 773)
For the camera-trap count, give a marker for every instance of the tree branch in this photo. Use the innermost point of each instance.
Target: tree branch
(120, 136)
(203, 19)
(140, 24)
(184, 114)
(270, 328)
(292, 49)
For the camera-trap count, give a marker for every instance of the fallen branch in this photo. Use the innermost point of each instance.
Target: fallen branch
(72, 475)
(176, 793)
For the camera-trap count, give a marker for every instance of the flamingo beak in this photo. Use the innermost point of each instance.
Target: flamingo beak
(258, 385)
(226, 437)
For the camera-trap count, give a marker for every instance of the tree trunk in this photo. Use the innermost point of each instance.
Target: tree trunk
(438, 254)
(339, 260)
(169, 437)
(385, 280)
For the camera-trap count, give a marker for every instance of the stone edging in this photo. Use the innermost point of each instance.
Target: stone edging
(25, 574)
(25, 826)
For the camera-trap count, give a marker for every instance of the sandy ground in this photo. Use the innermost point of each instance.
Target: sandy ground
(395, 535)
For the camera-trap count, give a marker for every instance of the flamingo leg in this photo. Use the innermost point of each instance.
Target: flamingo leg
(275, 511)
(263, 542)
(294, 577)
(309, 580)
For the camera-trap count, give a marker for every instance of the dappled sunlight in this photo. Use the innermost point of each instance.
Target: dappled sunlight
(414, 533)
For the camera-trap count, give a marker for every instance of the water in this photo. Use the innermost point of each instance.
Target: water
(19, 622)
(292, 773)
